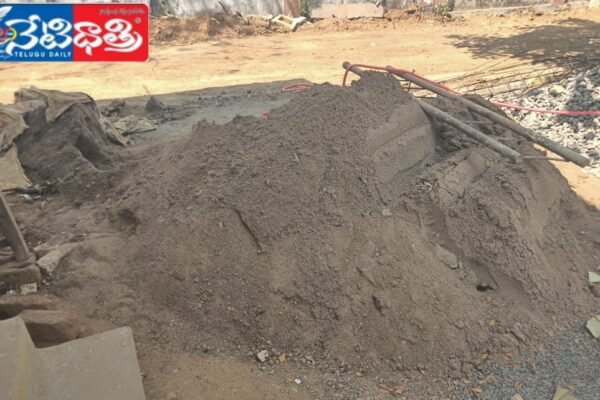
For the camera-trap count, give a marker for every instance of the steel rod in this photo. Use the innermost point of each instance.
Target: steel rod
(11, 232)
(438, 114)
(557, 148)
(493, 144)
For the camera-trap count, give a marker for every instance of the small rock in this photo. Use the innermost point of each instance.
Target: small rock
(386, 212)
(154, 105)
(298, 381)
(262, 355)
(557, 90)
(447, 257)
(516, 331)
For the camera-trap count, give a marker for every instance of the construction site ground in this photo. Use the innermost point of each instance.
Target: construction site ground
(231, 76)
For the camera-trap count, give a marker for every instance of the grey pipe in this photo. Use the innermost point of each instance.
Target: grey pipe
(556, 148)
(436, 113)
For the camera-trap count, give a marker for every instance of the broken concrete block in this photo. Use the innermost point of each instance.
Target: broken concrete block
(99, 367)
(51, 327)
(50, 261)
(593, 277)
(593, 325)
(563, 394)
(14, 277)
(17, 364)
(13, 305)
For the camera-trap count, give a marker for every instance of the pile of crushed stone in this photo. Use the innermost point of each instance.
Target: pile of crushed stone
(344, 229)
(580, 92)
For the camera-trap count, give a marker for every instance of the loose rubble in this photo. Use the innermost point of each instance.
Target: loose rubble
(578, 93)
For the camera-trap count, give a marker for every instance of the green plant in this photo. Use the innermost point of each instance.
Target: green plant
(305, 8)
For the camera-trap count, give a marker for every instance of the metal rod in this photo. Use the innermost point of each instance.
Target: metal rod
(493, 144)
(562, 151)
(435, 113)
(544, 158)
(11, 232)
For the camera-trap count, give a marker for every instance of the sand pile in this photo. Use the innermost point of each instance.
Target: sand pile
(342, 227)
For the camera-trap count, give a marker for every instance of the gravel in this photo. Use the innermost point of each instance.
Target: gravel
(580, 92)
(571, 360)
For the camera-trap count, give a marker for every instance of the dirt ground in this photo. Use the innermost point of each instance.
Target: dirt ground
(430, 48)
(178, 359)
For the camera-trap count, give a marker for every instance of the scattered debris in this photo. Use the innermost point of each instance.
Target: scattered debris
(132, 124)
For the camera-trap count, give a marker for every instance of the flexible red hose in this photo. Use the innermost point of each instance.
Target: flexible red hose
(499, 104)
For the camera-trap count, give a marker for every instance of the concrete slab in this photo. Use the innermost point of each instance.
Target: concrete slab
(99, 367)
(17, 365)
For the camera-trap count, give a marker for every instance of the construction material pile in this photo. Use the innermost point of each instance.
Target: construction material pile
(578, 93)
(345, 229)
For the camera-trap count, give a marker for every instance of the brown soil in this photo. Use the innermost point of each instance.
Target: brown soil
(315, 232)
(227, 26)
(207, 27)
(70, 154)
